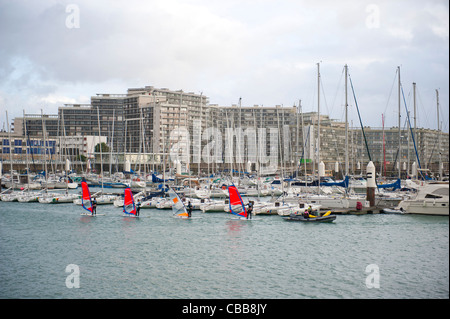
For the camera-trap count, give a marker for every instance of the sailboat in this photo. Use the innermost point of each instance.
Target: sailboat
(236, 204)
(129, 208)
(178, 208)
(57, 198)
(86, 200)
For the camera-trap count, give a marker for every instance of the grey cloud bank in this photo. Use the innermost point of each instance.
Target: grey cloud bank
(263, 51)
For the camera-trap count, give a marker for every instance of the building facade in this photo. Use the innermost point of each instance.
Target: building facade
(161, 126)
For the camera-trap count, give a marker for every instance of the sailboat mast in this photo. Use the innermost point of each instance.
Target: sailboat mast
(65, 150)
(318, 124)
(112, 144)
(303, 141)
(297, 135)
(140, 141)
(125, 145)
(239, 139)
(399, 128)
(100, 146)
(414, 99)
(281, 156)
(199, 148)
(10, 152)
(439, 137)
(384, 147)
(27, 151)
(346, 124)
(164, 154)
(44, 131)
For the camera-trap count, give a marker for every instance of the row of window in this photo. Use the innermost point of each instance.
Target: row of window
(32, 150)
(30, 143)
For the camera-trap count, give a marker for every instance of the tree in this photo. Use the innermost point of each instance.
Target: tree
(105, 148)
(81, 157)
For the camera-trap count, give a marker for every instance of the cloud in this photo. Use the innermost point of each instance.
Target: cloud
(263, 51)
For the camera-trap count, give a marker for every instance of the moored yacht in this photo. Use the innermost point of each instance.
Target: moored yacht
(431, 199)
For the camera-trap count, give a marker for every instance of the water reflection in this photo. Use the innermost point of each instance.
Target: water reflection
(234, 244)
(85, 219)
(234, 227)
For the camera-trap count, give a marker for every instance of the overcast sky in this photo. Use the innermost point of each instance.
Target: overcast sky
(265, 51)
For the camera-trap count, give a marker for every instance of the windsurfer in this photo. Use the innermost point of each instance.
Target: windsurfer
(249, 210)
(189, 209)
(94, 206)
(138, 207)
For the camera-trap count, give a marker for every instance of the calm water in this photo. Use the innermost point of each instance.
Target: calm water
(157, 256)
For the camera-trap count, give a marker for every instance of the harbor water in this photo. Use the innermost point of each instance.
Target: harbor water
(51, 251)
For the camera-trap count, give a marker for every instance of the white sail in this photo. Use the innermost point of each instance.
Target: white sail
(178, 207)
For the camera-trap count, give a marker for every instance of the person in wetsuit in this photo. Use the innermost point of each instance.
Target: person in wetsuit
(189, 209)
(94, 206)
(249, 210)
(138, 207)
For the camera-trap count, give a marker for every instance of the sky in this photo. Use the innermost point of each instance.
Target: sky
(263, 51)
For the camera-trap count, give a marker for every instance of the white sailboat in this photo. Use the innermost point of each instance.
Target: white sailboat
(102, 199)
(9, 195)
(28, 197)
(214, 205)
(57, 198)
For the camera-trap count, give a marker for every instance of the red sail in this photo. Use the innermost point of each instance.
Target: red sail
(86, 197)
(236, 204)
(128, 202)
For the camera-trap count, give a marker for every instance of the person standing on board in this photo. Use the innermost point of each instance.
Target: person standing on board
(138, 207)
(189, 209)
(94, 206)
(250, 210)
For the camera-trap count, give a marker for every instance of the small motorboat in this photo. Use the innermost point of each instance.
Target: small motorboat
(327, 217)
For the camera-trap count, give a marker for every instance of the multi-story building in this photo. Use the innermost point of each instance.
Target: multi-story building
(37, 125)
(428, 147)
(21, 149)
(152, 115)
(77, 148)
(156, 126)
(71, 147)
(255, 135)
(105, 113)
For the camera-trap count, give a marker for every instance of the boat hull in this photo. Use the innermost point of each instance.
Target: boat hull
(425, 207)
(300, 218)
